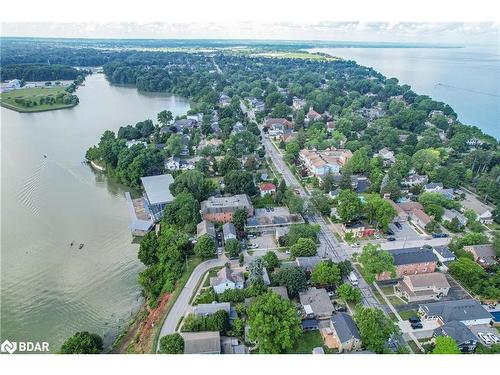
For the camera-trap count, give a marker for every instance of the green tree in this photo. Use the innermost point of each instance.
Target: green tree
(360, 162)
(468, 272)
(229, 163)
(273, 324)
(304, 247)
(271, 260)
(164, 117)
(174, 144)
(240, 182)
(240, 219)
(379, 211)
(193, 182)
(445, 345)
(326, 273)
(172, 344)
(148, 249)
(376, 261)
(375, 328)
(82, 343)
(183, 212)
(293, 278)
(348, 293)
(349, 205)
(232, 247)
(425, 160)
(298, 231)
(205, 247)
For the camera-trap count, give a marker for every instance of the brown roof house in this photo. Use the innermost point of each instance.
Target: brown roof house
(316, 303)
(483, 254)
(422, 287)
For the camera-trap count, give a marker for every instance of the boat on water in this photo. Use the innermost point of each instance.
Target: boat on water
(81, 246)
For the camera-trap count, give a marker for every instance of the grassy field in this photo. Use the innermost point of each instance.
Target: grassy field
(307, 342)
(7, 99)
(407, 314)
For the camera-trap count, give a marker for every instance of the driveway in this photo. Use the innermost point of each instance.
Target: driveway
(182, 303)
(407, 232)
(265, 242)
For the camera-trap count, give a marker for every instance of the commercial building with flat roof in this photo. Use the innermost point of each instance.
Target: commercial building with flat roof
(221, 209)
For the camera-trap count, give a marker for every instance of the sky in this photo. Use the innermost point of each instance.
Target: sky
(425, 21)
(421, 32)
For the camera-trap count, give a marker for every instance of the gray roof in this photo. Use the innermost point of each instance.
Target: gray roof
(412, 255)
(226, 204)
(157, 188)
(433, 185)
(211, 308)
(345, 327)
(457, 331)
(281, 290)
(308, 262)
(229, 228)
(205, 227)
(201, 342)
(318, 300)
(444, 252)
(450, 214)
(460, 310)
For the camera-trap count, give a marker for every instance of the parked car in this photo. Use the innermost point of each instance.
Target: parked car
(253, 246)
(417, 325)
(398, 225)
(439, 235)
(287, 252)
(389, 232)
(414, 319)
(391, 239)
(341, 309)
(484, 338)
(494, 338)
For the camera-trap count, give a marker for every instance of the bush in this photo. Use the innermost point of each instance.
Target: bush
(218, 321)
(172, 344)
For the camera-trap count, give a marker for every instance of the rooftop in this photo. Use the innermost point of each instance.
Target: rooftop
(211, 308)
(231, 202)
(281, 290)
(412, 255)
(157, 188)
(429, 280)
(457, 331)
(317, 301)
(201, 342)
(460, 310)
(345, 327)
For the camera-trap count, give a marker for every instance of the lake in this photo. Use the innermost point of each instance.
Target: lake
(466, 78)
(50, 290)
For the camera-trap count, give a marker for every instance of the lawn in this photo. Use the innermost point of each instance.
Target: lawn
(307, 342)
(396, 301)
(407, 314)
(34, 94)
(388, 289)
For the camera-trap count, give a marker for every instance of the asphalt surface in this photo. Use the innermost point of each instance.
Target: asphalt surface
(182, 303)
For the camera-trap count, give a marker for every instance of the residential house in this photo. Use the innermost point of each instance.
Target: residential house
(201, 342)
(267, 188)
(474, 142)
(205, 227)
(227, 279)
(387, 155)
(319, 163)
(278, 126)
(483, 211)
(310, 324)
(238, 128)
(419, 218)
(413, 179)
(330, 126)
(449, 215)
(460, 333)
(198, 117)
(360, 184)
(134, 142)
(422, 287)
(437, 187)
(483, 254)
(280, 290)
(468, 311)
(444, 256)
(357, 229)
(182, 124)
(312, 115)
(265, 277)
(298, 103)
(411, 261)
(231, 345)
(206, 309)
(221, 209)
(316, 303)
(257, 104)
(401, 214)
(229, 231)
(224, 100)
(308, 263)
(342, 333)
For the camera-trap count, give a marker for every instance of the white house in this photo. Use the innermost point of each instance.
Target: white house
(227, 279)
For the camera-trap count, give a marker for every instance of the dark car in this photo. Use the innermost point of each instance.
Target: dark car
(341, 309)
(439, 235)
(414, 319)
(417, 325)
(389, 232)
(391, 239)
(398, 225)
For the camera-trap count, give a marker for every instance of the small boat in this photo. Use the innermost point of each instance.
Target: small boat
(71, 244)
(81, 245)
(45, 156)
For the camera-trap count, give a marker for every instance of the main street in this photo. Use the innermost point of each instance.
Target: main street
(329, 247)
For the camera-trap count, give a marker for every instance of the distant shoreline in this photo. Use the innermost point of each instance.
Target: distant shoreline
(29, 110)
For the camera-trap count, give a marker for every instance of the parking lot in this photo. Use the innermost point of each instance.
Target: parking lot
(407, 231)
(265, 242)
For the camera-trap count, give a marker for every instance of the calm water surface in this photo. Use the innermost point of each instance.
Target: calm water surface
(49, 290)
(466, 78)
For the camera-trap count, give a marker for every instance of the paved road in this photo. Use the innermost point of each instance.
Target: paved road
(329, 247)
(182, 303)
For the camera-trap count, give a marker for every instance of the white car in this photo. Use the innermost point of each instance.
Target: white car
(253, 246)
(288, 252)
(485, 338)
(493, 338)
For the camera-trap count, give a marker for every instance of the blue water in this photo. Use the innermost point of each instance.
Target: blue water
(466, 78)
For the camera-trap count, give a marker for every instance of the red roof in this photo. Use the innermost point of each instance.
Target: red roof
(267, 186)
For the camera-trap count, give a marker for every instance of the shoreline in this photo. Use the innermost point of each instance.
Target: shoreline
(19, 110)
(97, 166)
